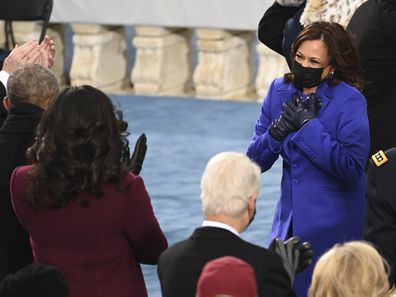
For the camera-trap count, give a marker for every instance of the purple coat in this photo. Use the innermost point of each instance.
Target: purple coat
(323, 176)
(98, 248)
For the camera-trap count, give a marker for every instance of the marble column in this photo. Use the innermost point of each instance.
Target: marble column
(99, 57)
(271, 66)
(224, 69)
(163, 61)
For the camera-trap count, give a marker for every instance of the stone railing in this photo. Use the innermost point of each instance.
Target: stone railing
(163, 61)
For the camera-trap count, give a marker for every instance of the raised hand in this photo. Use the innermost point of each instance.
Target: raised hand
(27, 53)
(48, 51)
(305, 111)
(283, 125)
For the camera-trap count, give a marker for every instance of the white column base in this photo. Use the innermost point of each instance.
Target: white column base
(99, 57)
(271, 66)
(163, 61)
(224, 68)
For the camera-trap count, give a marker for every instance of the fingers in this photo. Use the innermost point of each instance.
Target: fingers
(33, 57)
(49, 46)
(289, 108)
(297, 99)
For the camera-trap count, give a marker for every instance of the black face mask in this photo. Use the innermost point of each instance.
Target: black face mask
(306, 77)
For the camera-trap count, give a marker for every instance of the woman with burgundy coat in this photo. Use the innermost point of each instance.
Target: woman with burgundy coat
(86, 214)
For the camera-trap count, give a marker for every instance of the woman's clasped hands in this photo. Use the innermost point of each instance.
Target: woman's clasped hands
(296, 113)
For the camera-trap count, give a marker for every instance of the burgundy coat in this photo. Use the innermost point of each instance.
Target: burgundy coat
(98, 248)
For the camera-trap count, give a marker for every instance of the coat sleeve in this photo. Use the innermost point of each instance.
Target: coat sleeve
(3, 112)
(141, 225)
(345, 155)
(272, 25)
(276, 282)
(263, 149)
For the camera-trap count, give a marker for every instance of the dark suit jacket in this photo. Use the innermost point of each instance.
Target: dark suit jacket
(3, 112)
(373, 28)
(278, 28)
(98, 248)
(16, 135)
(180, 266)
(380, 226)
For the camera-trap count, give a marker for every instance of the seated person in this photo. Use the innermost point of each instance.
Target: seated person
(348, 270)
(35, 280)
(227, 276)
(229, 189)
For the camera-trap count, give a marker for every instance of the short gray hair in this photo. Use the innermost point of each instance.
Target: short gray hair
(228, 181)
(32, 83)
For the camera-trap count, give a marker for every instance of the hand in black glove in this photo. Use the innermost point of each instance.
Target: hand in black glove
(305, 111)
(295, 256)
(137, 158)
(313, 101)
(289, 254)
(283, 125)
(306, 254)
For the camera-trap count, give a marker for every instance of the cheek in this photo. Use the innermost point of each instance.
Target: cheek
(326, 72)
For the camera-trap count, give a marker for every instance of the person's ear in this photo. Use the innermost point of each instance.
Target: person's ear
(6, 103)
(252, 203)
(45, 104)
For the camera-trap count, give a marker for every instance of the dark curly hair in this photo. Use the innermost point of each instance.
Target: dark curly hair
(342, 53)
(81, 143)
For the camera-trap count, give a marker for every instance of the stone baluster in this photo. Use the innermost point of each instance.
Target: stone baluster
(2, 37)
(224, 69)
(271, 66)
(163, 61)
(99, 57)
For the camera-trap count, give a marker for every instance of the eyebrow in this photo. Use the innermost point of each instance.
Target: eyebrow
(316, 59)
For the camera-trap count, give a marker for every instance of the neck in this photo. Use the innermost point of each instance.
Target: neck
(310, 90)
(235, 222)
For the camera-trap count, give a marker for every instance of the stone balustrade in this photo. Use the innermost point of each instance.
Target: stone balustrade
(163, 60)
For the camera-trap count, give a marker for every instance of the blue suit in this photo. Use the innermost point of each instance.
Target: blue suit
(323, 177)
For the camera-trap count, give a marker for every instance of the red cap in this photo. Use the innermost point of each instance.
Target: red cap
(227, 276)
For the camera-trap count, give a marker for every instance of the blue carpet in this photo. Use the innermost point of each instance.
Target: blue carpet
(183, 134)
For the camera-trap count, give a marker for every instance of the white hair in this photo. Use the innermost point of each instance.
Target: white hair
(229, 180)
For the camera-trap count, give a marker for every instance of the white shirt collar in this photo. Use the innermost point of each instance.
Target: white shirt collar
(207, 223)
(4, 78)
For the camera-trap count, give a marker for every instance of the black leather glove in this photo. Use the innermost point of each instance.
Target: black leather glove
(295, 256)
(137, 158)
(314, 102)
(306, 254)
(305, 111)
(289, 254)
(283, 125)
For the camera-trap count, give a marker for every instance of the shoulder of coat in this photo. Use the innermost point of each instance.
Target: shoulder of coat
(379, 158)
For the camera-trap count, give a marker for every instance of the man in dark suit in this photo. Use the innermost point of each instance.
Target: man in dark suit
(380, 225)
(229, 189)
(29, 90)
(373, 28)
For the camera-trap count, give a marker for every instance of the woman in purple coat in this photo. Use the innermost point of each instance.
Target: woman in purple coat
(86, 214)
(316, 119)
